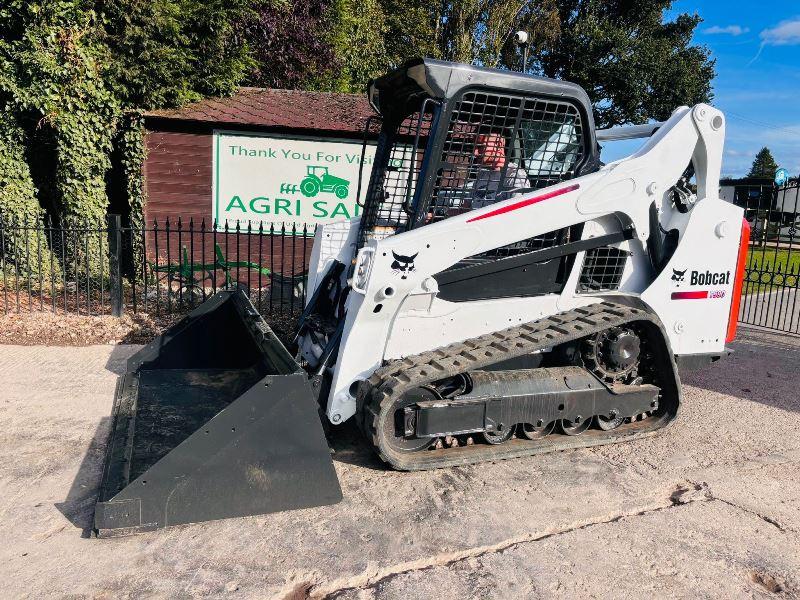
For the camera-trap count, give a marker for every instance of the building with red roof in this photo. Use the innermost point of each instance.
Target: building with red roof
(179, 166)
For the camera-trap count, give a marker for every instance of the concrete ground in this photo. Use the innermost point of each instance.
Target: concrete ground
(708, 508)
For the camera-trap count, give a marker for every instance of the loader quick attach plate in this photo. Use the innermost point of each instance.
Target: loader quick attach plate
(213, 419)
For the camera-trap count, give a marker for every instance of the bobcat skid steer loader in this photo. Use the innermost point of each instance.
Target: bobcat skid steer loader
(503, 294)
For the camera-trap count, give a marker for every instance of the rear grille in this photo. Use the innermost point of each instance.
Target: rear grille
(602, 269)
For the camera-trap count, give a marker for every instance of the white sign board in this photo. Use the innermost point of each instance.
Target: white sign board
(272, 179)
(727, 193)
(788, 200)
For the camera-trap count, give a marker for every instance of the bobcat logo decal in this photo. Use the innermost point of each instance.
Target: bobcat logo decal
(677, 276)
(403, 265)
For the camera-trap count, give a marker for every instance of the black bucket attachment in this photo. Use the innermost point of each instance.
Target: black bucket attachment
(213, 419)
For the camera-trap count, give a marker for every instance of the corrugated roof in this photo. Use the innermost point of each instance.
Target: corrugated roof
(293, 109)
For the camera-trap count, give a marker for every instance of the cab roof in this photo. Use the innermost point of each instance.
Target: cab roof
(401, 91)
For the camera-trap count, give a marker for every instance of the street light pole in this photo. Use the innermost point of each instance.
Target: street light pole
(521, 38)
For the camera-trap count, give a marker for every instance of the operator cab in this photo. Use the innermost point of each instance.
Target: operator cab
(455, 137)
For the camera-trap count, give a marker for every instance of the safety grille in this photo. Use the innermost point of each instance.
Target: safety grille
(499, 145)
(602, 269)
(393, 182)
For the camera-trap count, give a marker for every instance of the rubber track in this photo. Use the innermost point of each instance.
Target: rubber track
(378, 394)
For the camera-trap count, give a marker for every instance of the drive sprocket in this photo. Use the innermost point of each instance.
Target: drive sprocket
(613, 354)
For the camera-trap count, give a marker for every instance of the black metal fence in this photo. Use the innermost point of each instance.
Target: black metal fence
(104, 268)
(769, 293)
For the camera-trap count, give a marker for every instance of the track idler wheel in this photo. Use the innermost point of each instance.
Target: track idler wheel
(396, 438)
(498, 437)
(537, 431)
(576, 427)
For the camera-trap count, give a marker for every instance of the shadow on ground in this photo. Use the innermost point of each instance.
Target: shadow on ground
(349, 446)
(78, 507)
(117, 361)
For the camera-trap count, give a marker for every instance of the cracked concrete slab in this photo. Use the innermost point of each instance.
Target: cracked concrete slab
(55, 403)
(767, 489)
(680, 552)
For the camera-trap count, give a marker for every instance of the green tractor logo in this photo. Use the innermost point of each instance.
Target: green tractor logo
(319, 180)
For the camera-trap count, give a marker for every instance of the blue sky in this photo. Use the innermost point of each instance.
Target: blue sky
(757, 47)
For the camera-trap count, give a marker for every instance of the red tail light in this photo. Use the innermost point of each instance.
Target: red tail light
(733, 317)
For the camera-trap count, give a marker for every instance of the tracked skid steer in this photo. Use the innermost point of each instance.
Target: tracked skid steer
(503, 294)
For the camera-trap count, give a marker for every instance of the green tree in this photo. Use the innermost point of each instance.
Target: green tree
(358, 41)
(469, 31)
(51, 78)
(634, 64)
(331, 45)
(481, 31)
(764, 164)
(169, 52)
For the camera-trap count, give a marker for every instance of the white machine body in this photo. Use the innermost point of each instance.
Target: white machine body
(392, 313)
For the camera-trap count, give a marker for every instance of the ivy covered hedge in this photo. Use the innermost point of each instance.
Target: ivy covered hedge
(52, 88)
(74, 78)
(17, 196)
(17, 191)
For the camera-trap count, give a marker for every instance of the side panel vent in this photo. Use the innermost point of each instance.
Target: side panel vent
(550, 239)
(602, 269)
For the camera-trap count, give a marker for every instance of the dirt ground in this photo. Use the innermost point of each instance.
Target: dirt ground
(46, 328)
(708, 508)
(40, 327)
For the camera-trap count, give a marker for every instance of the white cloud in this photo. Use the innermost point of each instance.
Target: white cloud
(783, 134)
(728, 30)
(785, 33)
(743, 139)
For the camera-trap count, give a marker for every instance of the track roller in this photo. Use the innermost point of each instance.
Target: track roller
(575, 427)
(536, 432)
(498, 437)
